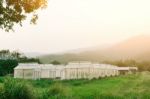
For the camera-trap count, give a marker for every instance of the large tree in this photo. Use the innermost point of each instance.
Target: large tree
(16, 11)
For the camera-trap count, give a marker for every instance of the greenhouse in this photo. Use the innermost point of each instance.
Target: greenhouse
(73, 70)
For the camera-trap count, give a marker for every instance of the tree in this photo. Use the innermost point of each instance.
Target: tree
(16, 11)
(16, 54)
(7, 66)
(55, 62)
(4, 54)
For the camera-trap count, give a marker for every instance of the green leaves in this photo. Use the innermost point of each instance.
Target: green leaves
(15, 11)
(7, 66)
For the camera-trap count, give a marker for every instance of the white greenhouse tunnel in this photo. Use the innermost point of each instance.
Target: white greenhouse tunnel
(74, 70)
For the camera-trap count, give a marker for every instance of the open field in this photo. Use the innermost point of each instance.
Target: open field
(134, 86)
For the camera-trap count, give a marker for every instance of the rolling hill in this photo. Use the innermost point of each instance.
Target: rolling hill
(136, 48)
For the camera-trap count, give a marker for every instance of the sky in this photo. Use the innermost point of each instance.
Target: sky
(72, 24)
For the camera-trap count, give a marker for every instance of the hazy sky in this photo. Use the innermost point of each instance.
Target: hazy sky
(72, 24)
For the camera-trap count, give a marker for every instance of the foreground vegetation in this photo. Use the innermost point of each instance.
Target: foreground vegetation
(134, 86)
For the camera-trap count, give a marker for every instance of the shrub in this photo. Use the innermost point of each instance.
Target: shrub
(7, 66)
(55, 62)
(16, 89)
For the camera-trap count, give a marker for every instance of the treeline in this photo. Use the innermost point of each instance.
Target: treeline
(142, 66)
(16, 55)
(9, 60)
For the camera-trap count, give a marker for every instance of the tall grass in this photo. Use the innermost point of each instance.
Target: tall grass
(15, 89)
(58, 91)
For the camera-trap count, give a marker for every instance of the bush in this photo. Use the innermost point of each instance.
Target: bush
(16, 89)
(55, 62)
(7, 66)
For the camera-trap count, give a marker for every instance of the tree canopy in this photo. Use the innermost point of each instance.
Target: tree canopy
(7, 66)
(16, 55)
(55, 62)
(16, 11)
(9, 60)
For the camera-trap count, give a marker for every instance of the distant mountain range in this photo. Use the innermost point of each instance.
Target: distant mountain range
(136, 48)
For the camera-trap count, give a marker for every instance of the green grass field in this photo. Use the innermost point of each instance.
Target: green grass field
(134, 86)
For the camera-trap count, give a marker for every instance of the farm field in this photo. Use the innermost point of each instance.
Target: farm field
(133, 86)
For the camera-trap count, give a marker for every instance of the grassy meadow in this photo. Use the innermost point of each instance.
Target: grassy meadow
(133, 86)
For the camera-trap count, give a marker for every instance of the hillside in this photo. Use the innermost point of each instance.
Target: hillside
(133, 48)
(136, 48)
(64, 58)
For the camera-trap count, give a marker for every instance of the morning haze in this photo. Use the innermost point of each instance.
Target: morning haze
(79, 49)
(74, 24)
